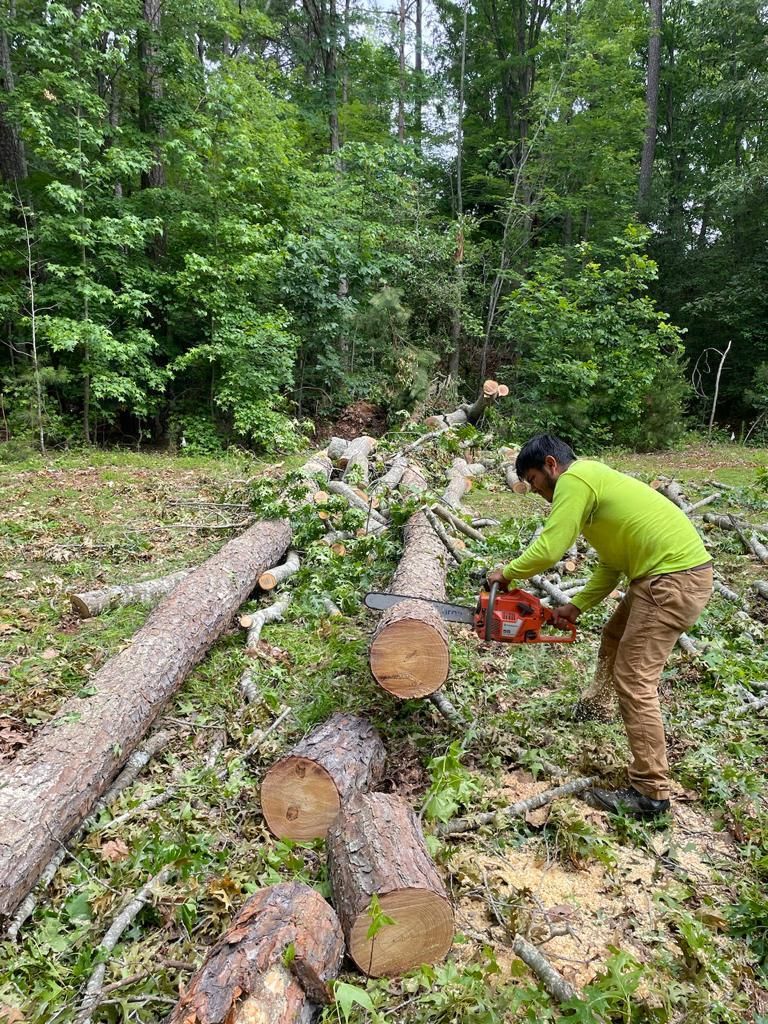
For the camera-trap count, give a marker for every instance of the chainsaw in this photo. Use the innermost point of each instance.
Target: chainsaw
(507, 616)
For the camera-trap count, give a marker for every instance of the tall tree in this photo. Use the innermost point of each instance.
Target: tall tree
(652, 105)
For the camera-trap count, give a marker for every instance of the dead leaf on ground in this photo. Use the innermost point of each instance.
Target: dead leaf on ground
(11, 1015)
(114, 850)
(49, 654)
(539, 817)
(12, 574)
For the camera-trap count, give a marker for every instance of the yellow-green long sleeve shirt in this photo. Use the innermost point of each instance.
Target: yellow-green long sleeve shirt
(635, 530)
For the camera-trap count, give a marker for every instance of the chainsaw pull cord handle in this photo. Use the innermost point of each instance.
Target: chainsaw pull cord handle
(489, 611)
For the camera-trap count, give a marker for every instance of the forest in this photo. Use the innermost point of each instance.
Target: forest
(223, 223)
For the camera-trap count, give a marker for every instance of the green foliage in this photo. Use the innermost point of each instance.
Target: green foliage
(574, 840)
(452, 785)
(589, 343)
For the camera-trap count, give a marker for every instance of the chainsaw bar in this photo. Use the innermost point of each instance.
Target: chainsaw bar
(449, 612)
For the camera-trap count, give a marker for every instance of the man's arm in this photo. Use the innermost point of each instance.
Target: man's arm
(602, 581)
(572, 505)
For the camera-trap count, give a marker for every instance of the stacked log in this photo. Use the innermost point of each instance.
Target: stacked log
(303, 792)
(273, 963)
(51, 786)
(376, 848)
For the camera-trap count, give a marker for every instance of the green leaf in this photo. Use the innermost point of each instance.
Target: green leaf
(346, 996)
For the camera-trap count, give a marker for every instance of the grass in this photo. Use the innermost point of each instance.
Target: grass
(694, 953)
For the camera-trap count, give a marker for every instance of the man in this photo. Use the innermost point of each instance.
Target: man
(638, 534)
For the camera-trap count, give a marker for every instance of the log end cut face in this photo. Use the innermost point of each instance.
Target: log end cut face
(422, 933)
(299, 799)
(409, 658)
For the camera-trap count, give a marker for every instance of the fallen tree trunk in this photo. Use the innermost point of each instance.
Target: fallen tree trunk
(52, 785)
(460, 477)
(248, 976)
(302, 792)
(90, 603)
(470, 413)
(409, 652)
(376, 848)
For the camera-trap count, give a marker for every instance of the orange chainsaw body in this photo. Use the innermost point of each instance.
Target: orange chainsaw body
(515, 617)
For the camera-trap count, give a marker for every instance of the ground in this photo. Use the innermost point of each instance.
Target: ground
(662, 923)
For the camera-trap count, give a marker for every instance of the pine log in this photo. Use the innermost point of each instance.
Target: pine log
(90, 603)
(460, 476)
(409, 652)
(355, 458)
(317, 466)
(337, 446)
(52, 785)
(302, 792)
(413, 480)
(376, 847)
(762, 588)
(270, 579)
(271, 966)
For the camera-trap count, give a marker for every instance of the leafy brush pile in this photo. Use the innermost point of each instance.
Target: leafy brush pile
(651, 923)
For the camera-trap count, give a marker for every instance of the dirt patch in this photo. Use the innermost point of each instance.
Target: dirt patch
(359, 418)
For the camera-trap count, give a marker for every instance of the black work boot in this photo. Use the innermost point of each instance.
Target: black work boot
(627, 801)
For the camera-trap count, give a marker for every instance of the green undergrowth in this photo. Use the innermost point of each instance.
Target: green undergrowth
(700, 953)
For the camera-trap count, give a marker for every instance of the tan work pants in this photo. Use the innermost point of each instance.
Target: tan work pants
(637, 640)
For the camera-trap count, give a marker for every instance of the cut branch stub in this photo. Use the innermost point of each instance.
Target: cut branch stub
(376, 848)
(245, 978)
(301, 794)
(93, 602)
(409, 652)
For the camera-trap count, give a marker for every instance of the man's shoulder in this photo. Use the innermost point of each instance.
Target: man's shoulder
(590, 471)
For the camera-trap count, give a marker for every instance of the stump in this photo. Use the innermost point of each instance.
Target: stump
(247, 977)
(302, 793)
(376, 847)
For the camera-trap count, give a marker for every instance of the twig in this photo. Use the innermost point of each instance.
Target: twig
(456, 522)
(446, 708)
(266, 732)
(458, 825)
(330, 606)
(95, 987)
(551, 979)
(456, 553)
(702, 502)
(272, 613)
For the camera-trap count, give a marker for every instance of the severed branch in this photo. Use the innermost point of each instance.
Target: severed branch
(149, 592)
(551, 979)
(457, 523)
(451, 547)
(255, 623)
(446, 709)
(456, 826)
(94, 989)
(270, 579)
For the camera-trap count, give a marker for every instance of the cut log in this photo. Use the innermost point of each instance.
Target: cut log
(271, 966)
(148, 592)
(302, 792)
(376, 848)
(355, 458)
(337, 446)
(270, 579)
(413, 480)
(460, 476)
(762, 588)
(409, 653)
(513, 481)
(51, 785)
(376, 521)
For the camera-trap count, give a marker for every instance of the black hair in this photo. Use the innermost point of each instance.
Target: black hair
(534, 452)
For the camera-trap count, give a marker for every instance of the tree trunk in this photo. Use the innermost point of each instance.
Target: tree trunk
(460, 476)
(248, 978)
(401, 75)
(51, 786)
(302, 792)
(149, 592)
(409, 652)
(150, 90)
(376, 848)
(13, 161)
(467, 413)
(652, 107)
(418, 118)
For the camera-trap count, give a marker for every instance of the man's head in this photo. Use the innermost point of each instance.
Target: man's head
(541, 461)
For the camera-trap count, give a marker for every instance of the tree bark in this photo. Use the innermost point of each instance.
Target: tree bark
(460, 476)
(355, 458)
(13, 161)
(270, 579)
(150, 90)
(302, 792)
(248, 978)
(149, 592)
(409, 652)
(652, 107)
(376, 848)
(53, 784)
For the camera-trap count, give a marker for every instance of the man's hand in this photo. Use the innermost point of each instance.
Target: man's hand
(564, 617)
(495, 576)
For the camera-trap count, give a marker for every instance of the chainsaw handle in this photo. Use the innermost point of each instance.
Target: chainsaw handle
(559, 639)
(489, 612)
